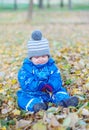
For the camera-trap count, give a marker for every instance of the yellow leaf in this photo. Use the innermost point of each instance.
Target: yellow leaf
(16, 112)
(13, 81)
(3, 128)
(1, 90)
(39, 126)
(60, 66)
(88, 79)
(76, 91)
(78, 72)
(1, 85)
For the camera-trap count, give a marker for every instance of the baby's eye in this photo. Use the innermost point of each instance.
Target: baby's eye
(43, 56)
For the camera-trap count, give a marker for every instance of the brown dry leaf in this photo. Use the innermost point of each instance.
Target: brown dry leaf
(22, 123)
(56, 128)
(46, 120)
(71, 120)
(85, 112)
(54, 122)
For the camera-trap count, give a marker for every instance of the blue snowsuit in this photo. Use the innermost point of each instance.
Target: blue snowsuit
(39, 84)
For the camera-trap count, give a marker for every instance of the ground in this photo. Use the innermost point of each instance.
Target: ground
(68, 35)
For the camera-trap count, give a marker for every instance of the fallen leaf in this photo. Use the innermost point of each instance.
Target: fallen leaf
(85, 112)
(3, 128)
(22, 123)
(16, 112)
(70, 120)
(39, 126)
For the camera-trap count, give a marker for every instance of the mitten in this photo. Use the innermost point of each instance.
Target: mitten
(45, 87)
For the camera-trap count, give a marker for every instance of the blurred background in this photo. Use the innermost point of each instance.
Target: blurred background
(62, 21)
(47, 5)
(23, 4)
(38, 13)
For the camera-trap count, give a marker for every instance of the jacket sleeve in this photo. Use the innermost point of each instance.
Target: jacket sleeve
(27, 80)
(55, 80)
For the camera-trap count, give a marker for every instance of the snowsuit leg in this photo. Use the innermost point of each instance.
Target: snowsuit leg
(26, 101)
(59, 96)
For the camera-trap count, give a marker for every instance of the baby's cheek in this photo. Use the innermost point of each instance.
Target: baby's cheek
(35, 61)
(46, 60)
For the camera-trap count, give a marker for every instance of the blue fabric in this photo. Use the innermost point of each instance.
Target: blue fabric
(32, 78)
(59, 96)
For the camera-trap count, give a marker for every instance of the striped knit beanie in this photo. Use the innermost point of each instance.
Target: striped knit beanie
(37, 45)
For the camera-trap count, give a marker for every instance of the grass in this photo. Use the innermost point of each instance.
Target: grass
(81, 7)
(23, 7)
(9, 7)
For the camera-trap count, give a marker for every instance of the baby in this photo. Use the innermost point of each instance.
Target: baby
(40, 79)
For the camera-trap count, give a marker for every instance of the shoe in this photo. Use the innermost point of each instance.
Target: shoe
(72, 101)
(40, 106)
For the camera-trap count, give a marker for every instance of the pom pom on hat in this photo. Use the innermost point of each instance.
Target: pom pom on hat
(36, 35)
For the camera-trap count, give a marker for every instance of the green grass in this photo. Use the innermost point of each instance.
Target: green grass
(81, 7)
(9, 7)
(23, 7)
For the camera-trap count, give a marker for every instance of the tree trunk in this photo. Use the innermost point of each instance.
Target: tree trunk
(41, 4)
(30, 9)
(48, 3)
(15, 4)
(62, 3)
(70, 4)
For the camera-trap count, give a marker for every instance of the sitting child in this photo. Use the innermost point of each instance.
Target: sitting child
(40, 79)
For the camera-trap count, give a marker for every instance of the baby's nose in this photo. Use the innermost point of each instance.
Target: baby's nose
(40, 58)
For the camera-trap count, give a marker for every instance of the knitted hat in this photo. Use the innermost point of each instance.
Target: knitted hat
(37, 45)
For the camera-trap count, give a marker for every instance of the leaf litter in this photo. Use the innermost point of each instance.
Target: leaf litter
(71, 52)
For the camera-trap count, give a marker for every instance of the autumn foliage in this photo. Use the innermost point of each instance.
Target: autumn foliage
(69, 45)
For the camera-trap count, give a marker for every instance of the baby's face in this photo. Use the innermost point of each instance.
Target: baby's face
(39, 59)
